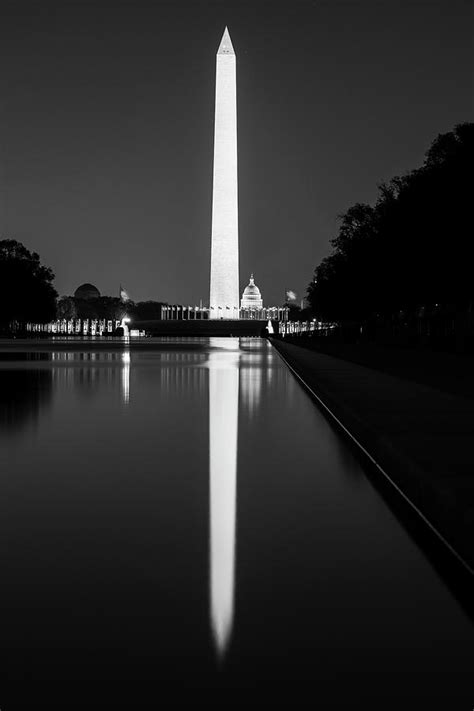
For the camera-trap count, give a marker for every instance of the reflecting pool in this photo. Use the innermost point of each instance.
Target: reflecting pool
(183, 511)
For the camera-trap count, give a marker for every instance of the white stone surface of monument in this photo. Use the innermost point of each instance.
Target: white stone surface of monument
(224, 291)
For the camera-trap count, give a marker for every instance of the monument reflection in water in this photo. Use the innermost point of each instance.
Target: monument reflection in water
(126, 557)
(229, 366)
(224, 374)
(223, 432)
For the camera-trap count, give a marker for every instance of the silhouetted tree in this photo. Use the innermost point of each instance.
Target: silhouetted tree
(412, 249)
(105, 307)
(108, 307)
(66, 307)
(26, 286)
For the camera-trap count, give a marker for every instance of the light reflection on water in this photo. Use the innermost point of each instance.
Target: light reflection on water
(189, 500)
(227, 365)
(126, 377)
(223, 425)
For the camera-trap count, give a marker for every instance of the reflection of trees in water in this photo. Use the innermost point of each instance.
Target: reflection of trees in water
(89, 373)
(257, 370)
(180, 372)
(24, 393)
(257, 364)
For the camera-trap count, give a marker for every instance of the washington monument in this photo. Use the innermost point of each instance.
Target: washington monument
(224, 296)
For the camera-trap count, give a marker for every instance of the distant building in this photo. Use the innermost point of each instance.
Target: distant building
(251, 298)
(88, 292)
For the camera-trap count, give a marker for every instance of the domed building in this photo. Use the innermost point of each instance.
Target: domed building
(88, 292)
(251, 298)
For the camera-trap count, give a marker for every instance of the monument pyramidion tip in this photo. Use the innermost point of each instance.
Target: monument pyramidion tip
(225, 46)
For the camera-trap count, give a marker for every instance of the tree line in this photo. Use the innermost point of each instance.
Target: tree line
(27, 295)
(26, 287)
(108, 307)
(412, 250)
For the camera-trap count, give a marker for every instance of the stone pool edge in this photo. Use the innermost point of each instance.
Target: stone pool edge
(434, 503)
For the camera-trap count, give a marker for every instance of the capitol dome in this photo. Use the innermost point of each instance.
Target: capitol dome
(87, 292)
(251, 298)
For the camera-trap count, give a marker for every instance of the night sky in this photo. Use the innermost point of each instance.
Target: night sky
(106, 130)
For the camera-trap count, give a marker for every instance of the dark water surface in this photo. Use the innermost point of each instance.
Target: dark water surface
(186, 513)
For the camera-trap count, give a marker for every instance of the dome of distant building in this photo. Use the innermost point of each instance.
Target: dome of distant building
(251, 298)
(87, 292)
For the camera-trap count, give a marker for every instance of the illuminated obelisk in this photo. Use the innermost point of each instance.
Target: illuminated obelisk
(224, 296)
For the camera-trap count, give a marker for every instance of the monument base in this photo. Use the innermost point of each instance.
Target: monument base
(208, 327)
